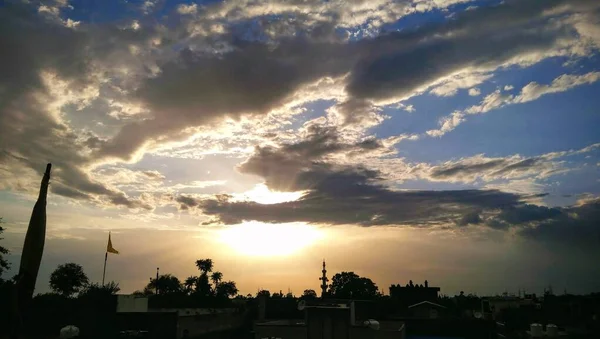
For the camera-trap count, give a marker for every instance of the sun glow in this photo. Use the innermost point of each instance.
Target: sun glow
(263, 195)
(259, 239)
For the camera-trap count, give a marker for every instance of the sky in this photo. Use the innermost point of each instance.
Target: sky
(449, 140)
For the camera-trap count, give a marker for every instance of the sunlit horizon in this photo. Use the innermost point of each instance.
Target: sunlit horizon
(270, 240)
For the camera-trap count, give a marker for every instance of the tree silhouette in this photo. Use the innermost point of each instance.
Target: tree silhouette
(144, 293)
(309, 294)
(4, 265)
(165, 284)
(204, 265)
(226, 289)
(203, 287)
(216, 277)
(68, 279)
(351, 285)
(263, 293)
(95, 289)
(190, 284)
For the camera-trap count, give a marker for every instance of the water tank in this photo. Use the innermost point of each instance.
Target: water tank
(552, 331)
(537, 330)
(372, 324)
(68, 332)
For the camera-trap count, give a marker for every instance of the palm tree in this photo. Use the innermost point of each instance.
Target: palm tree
(204, 265)
(190, 283)
(216, 278)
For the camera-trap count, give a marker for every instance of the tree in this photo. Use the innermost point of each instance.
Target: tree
(350, 285)
(263, 293)
(309, 294)
(4, 265)
(216, 277)
(190, 284)
(95, 289)
(203, 287)
(144, 293)
(204, 265)
(226, 289)
(68, 279)
(165, 284)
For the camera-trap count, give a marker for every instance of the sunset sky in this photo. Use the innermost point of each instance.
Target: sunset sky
(450, 140)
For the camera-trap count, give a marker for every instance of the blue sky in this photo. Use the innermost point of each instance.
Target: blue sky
(469, 128)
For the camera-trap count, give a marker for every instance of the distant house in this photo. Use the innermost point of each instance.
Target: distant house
(411, 294)
(427, 309)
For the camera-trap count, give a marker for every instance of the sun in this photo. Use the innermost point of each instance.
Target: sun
(267, 240)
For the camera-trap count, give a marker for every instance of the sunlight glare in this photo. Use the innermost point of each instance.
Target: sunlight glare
(263, 195)
(259, 239)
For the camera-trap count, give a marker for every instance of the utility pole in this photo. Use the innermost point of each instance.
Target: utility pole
(156, 282)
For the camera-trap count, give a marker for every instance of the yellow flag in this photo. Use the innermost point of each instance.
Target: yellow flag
(109, 247)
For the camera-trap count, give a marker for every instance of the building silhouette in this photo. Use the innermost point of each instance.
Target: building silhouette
(412, 294)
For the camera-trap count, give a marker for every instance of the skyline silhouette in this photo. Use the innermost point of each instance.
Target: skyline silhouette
(449, 141)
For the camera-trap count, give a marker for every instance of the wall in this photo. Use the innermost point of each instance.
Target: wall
(284, 332)
(131, 303)
(201, 324)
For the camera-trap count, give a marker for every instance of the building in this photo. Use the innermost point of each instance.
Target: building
(329, 319)
(412, 294)
(427, 309)
(133, 314)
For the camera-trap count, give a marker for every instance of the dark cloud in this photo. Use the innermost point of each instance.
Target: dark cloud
(186, 202)
(577, 225)
(480, 167)
(348, 196)
(199, 89)
(471, 218)
(251, 76)
(298, 166)
(526, 214)
(35, 44)
(343, 194)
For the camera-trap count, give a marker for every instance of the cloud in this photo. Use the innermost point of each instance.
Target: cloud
(480, 167)
(253, 78)
(452, 84)
(573, 225)
(349, 196)
(148, 84)
(47, 66)
(563, 83)
(288, 167)
(402, 63)
(498, 99)
(337, 191)
(474, 92)
(256, 77)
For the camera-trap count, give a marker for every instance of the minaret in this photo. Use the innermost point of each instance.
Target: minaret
(324, 281)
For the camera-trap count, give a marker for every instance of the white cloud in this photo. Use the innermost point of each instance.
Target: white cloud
(450, 86)
(529, 92)
(448, 124)
(474, 92)
(533, 90)
(187, 9)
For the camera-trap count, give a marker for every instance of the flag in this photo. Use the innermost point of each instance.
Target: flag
(109, 247)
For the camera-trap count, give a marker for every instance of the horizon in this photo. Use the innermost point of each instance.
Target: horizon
(454, 141)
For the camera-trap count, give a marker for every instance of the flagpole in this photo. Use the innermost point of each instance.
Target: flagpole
(104, 271)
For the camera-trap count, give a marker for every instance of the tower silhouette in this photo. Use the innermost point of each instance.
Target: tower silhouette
(324, 281)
